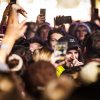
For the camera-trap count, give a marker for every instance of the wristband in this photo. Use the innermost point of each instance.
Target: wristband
(4, 46)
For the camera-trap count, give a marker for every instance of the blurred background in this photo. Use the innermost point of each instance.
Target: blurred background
(83, 10)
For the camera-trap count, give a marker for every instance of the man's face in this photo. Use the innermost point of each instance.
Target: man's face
(34, 46)
(81, 33)
(72, 55)
(44, 33)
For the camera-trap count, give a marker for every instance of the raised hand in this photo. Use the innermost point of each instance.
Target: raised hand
(14, 31)
(54, 60)
(15, 28)
(40, 19)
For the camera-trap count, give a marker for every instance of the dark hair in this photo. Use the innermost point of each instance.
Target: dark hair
(55, 30)
(93, 26)
(71, 70)
(38, 75)
(22, 41)
(36, 40)
(12, 91)
(44, 26)
(93, 45)
(23, 52)
(87, 92)
(31, 30)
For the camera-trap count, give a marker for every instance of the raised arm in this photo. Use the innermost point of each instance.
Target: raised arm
(13, 32)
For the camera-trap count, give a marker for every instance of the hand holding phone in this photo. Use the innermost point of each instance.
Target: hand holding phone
(60, 50)
(60, 20)
(54, 60)
(43, 12)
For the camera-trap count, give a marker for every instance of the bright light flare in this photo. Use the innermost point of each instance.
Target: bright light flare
(81, 12)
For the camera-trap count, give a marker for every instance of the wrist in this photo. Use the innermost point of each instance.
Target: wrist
(7, 44)
(8, 39)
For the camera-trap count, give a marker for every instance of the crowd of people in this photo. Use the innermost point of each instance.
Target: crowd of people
(43, 62)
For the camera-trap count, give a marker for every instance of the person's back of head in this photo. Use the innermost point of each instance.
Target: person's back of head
(37, 77)
(59, 89)
(8, 88)
(42, 54)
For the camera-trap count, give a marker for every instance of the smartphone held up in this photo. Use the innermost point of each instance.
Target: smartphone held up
(60, 50)
(60, 20)
(43, 13)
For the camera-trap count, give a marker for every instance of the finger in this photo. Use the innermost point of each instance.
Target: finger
(0, 42)
(78, 64)
(61, 63)
(22, 23)
(81, 63)
(22, 9)
(23, 29)
(13, 17)
(41, 15)
(1, 39)
(22, 12)
(19, 9)
(2, 35)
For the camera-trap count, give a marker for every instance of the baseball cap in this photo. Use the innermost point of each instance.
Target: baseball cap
(71, 41)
